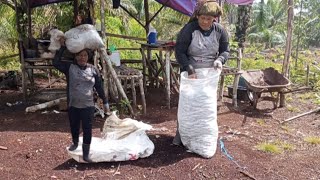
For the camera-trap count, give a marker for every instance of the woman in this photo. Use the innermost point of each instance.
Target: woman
(82, 79)
(202, 43)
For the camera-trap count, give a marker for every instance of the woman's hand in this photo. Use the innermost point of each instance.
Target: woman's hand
(217, 64)
(191, 72)
(62, 41)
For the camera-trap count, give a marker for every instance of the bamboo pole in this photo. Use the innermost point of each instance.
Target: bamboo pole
(105, 57)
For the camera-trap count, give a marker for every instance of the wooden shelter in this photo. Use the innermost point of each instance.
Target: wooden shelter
(166, 66)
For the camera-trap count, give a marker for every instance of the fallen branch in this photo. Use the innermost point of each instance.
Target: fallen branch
(244, 172)
(196, 166)
(44, 105)
(3, 148)
(117, 171)
(300, 115)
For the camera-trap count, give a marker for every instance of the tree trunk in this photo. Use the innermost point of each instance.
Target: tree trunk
(242, 24)
(298, 39)
(286, 61)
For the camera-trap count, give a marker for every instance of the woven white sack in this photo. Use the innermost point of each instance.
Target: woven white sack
(197, 111)
(84, 36)
(121, 141)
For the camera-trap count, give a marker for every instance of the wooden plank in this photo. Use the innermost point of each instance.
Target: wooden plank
(131, 61)
(126, 37)
(39, 67)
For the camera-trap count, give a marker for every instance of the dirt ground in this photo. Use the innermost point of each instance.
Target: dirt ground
(36, 144)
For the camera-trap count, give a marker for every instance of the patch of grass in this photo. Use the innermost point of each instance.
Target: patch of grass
(308, 95)
(284, 145)
(287, 146)
(316, 100)
(293, 109)
(261, 122)
(269, 148)
(312, 140)
(275, 147)
(289, 99)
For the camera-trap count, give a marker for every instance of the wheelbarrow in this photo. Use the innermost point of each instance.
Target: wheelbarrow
(265, 81)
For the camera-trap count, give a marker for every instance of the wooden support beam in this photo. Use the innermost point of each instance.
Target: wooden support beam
(105, 57)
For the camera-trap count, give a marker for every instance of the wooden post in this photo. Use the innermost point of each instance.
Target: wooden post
(298, 38)
(102, 20)
(308, 74)
(144, 106)
(168, 77)
(21, 57)
(106, 58)
(144, 67)
(236, 79)
(90, 4)
(29, 25)
(220, 98)
(103, 36)
(134, 94)
(286, 61)
(23, 72)
(75, 10)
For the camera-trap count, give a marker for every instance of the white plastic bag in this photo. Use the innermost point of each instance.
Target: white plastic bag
(122, 140)
(82, 37)
(197, 111)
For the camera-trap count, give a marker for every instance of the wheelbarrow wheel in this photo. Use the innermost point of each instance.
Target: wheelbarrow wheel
(254, 97)
(250, 96)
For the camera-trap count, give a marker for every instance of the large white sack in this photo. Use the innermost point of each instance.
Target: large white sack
(118, 146)
(197, 111)
(55, 36)
(84, 36)
(116, 128)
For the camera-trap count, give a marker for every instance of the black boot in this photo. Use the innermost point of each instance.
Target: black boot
(177, 140)
(85, 150)
(73, 147)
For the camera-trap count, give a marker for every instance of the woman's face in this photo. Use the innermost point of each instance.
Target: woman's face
(205, 22)
(82, 58)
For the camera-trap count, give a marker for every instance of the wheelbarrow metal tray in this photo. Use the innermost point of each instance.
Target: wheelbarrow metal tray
(266, 80)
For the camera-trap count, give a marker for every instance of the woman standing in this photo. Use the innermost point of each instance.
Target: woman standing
(82, 79)
(202, 43)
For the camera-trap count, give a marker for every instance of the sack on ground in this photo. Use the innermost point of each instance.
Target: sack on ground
(121, 141)
(197, 111)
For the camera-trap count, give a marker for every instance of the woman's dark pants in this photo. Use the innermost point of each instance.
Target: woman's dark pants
(84, 115)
